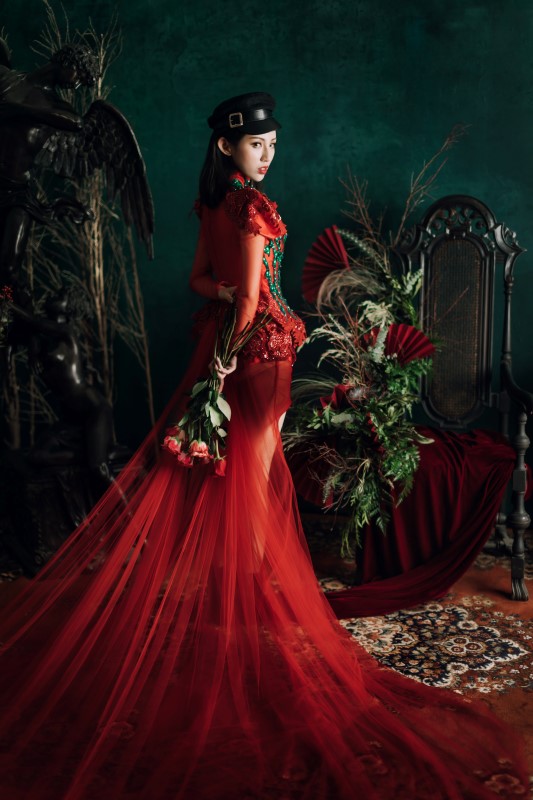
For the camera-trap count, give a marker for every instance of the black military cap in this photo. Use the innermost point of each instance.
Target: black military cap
(247, 113)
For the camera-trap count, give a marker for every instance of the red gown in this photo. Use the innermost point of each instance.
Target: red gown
(178, 646)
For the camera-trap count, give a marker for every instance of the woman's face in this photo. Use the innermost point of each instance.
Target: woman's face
(252, 155)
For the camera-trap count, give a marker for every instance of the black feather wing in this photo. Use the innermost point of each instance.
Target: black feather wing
(106, 142)
(5, 54)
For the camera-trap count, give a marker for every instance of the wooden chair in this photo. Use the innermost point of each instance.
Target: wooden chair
(464, 254)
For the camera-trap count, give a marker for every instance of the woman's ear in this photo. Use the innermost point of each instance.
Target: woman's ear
(224, 146)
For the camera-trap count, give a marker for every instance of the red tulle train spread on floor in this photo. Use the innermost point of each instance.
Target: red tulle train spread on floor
(179, 647)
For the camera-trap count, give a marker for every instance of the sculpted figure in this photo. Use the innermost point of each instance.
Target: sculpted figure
(56, 355)
(39, 129)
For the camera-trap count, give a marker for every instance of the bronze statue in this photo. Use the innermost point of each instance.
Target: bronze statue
(56, 355)
(39, 129)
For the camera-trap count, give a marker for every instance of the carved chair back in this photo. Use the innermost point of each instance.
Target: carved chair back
(462, 251)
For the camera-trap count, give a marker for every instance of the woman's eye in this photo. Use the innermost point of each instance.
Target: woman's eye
(273, 145)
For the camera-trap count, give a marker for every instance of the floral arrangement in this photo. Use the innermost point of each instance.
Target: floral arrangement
(200, 435)
(354, 427)
(358, 438)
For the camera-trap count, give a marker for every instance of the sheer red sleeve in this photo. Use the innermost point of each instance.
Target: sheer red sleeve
(258, 220)
(201, 279)
(247, 294)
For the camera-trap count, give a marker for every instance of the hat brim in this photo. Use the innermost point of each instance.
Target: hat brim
(260, 126)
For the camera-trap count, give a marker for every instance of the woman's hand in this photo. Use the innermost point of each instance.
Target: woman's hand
(227, 293)
(221, 372)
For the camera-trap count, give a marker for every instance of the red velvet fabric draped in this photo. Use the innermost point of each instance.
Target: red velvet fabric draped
(436, 532)
(178, 647)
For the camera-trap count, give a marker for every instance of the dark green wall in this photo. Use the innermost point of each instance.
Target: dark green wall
(372, 84)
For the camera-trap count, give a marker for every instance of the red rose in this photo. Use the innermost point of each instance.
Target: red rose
(184, 460)
(172, 445)
(219, 467)
(198, 449)
(175, 430)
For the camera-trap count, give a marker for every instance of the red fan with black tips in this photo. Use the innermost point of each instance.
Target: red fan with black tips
(408, 343)
(326, 255)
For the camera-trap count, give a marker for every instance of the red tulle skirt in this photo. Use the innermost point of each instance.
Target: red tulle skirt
(178, 646)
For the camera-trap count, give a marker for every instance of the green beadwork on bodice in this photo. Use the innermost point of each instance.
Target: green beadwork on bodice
(237, 183)
(282, 332)
(272, 260)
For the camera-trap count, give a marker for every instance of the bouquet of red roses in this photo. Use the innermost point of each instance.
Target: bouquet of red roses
(199, 437)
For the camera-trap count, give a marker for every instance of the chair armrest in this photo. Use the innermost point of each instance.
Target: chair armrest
(520, 396)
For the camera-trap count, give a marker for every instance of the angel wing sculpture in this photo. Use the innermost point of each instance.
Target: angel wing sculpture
(38, 128)
(5, 54)
(106, 141)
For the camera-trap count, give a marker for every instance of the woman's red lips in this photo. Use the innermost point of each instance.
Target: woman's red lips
(263, 170)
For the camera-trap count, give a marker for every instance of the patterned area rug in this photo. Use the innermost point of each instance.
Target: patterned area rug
(461, 643)
(475, 640)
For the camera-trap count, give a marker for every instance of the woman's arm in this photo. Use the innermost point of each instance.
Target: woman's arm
(201, 280)
(247, 294)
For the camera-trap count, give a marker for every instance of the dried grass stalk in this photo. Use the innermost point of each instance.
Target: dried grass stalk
(98, 257)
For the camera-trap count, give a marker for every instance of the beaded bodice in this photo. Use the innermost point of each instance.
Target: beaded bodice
(284, 331)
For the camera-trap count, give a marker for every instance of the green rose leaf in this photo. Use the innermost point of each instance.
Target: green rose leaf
(215, 416)
(198, 387)
(224, 406)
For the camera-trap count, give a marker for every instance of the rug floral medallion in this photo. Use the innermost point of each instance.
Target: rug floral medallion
(465, 645)
(475, 639)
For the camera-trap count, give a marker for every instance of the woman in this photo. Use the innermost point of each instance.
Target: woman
(179, 647)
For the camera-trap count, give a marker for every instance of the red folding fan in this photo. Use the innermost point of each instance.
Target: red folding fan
(327, 254)
(408, 343)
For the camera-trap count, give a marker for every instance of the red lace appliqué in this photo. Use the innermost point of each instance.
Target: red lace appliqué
(279, 339)
(244, 205)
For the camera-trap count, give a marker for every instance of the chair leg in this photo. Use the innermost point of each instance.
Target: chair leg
(519, 519)
(519, 590)
(499, 542)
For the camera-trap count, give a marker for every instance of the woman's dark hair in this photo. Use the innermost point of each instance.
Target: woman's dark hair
(233, 118)
(214, 177)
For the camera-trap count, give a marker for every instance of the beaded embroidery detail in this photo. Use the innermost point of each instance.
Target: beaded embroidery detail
(273, 271)
(279, 338)
(244, 203)
(241, 183)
